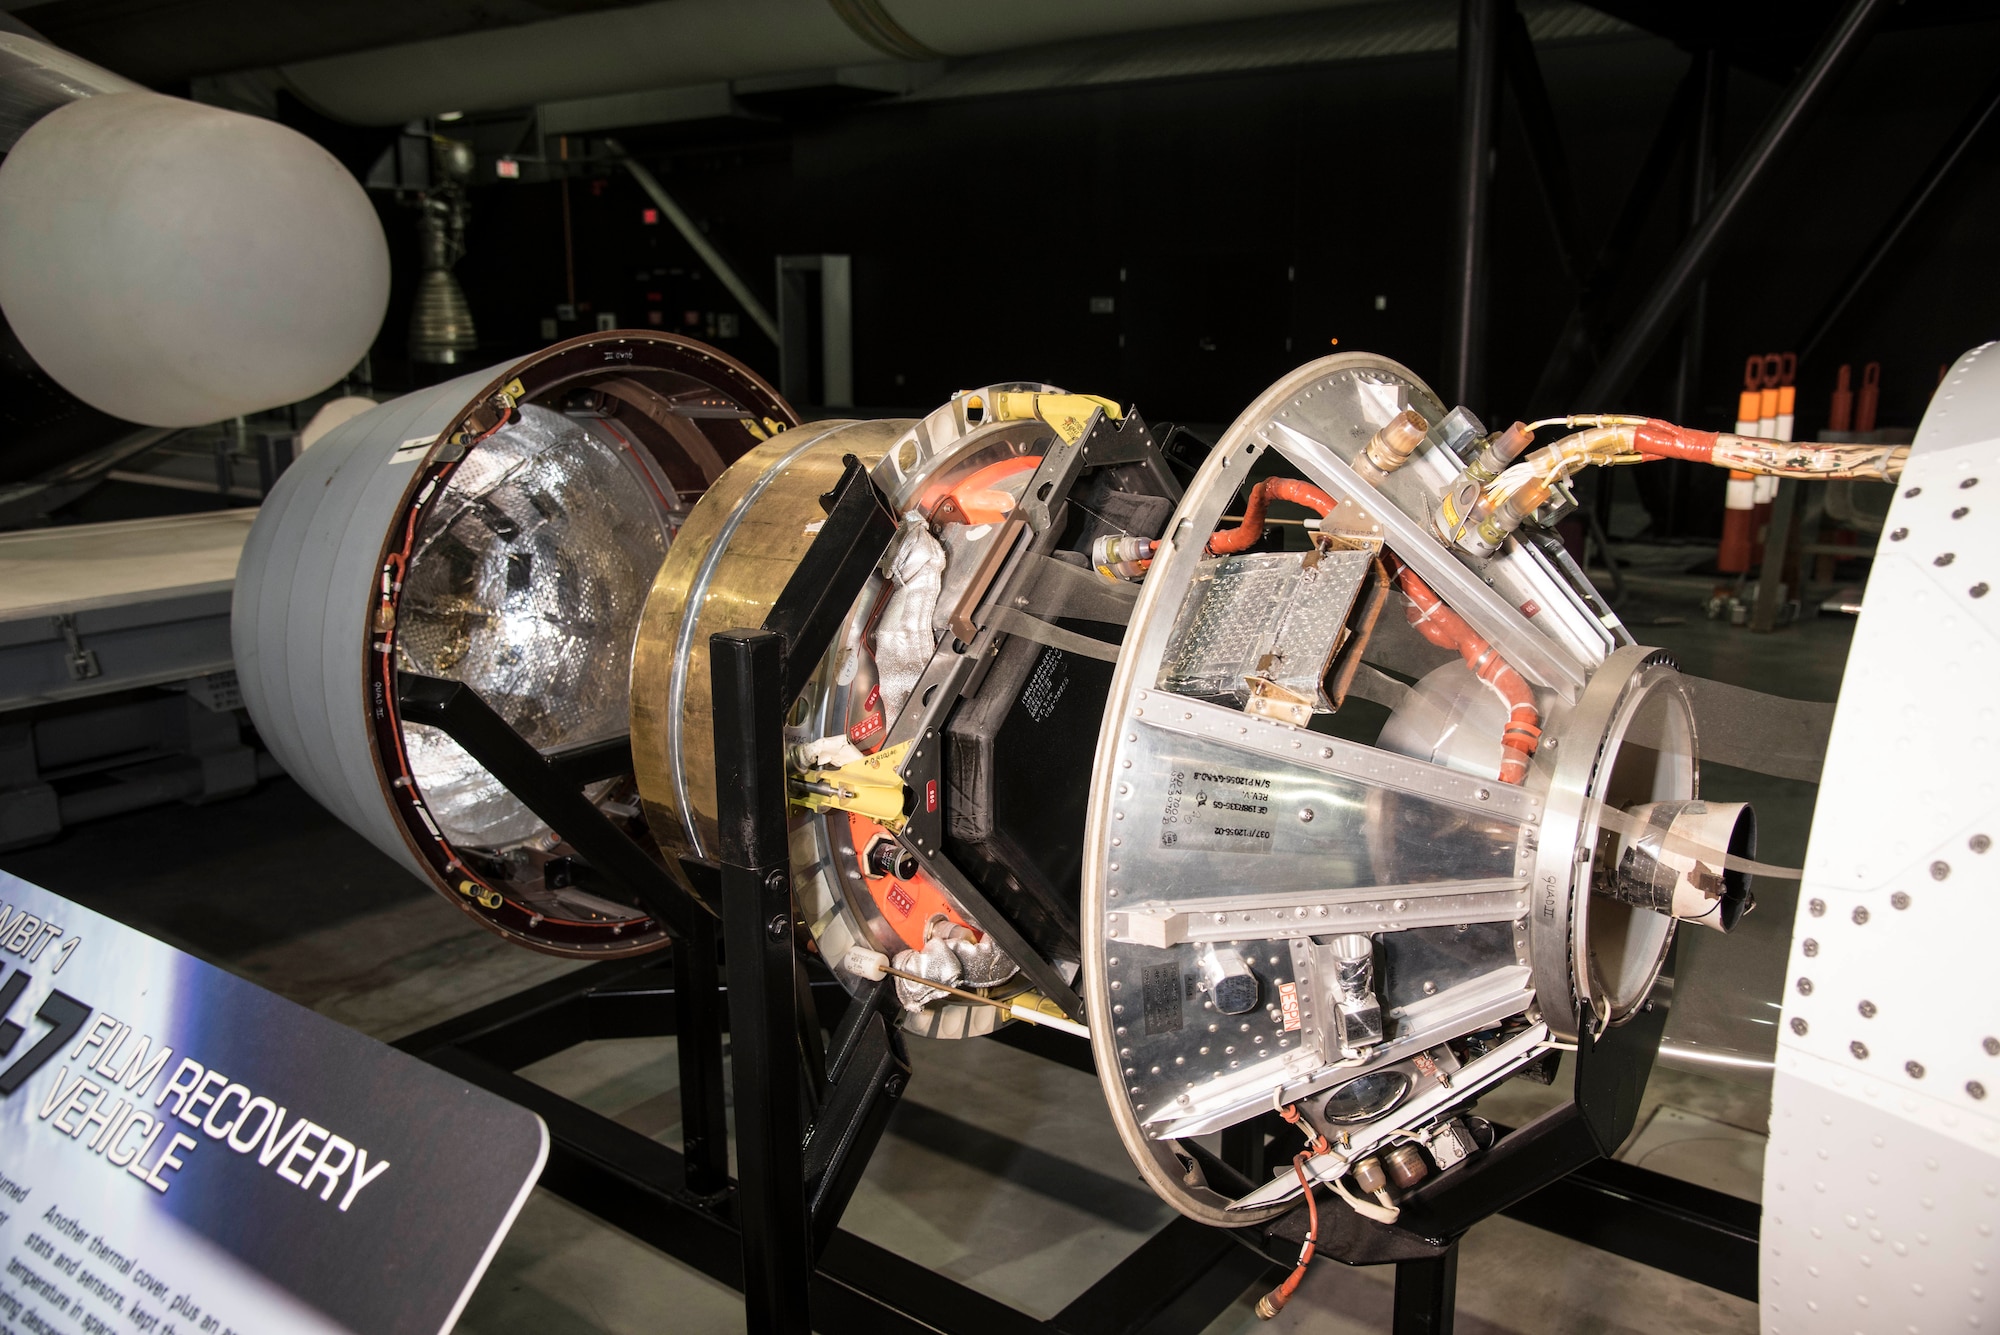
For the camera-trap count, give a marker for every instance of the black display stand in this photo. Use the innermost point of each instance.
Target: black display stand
(810, 1108)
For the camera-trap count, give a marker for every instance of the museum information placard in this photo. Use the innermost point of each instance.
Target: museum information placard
(182, 1152)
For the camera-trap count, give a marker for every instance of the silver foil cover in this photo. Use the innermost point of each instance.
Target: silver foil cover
(526, 582)
(1275, 615)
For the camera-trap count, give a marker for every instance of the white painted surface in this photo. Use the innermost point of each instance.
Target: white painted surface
(299, 623)
(174, 264)
(45, 572)
(1882, 1183)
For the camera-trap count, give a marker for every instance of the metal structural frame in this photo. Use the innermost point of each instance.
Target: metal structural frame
(810, 1109)
(1678, 292)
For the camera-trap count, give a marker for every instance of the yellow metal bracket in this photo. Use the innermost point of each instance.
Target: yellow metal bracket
(869, 786)
(1069, 414)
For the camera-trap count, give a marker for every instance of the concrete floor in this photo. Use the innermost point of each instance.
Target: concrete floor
(1000, 1170)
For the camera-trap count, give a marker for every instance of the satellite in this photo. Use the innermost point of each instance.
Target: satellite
(1321, 790)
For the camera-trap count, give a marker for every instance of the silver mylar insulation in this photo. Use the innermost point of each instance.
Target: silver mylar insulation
(500, 530)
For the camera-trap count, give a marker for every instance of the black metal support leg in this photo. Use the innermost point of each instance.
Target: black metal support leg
(1243, 1148)
(698, 1023)
(867, 1070)
(548, 787)
(1545, 149)
(1711, 72)
(1478, 106)
(1427, 1295)
(749, 674)
(1777, 544)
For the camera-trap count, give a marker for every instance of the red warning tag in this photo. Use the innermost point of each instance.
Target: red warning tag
(1288, 1002)
(900, 900)
(930, 795)
(1531, 608)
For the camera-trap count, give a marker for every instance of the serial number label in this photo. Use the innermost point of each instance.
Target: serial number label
(1218, 810)
(1160, 990)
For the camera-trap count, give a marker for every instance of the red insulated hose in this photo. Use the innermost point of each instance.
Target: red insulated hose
(1664, 440)
(1448, 630)
(1243, 535)
(1433, 620)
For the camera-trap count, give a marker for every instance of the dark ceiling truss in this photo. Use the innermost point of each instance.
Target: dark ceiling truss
(164, 43)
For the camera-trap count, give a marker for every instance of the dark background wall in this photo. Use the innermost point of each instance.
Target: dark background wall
(1240, 224)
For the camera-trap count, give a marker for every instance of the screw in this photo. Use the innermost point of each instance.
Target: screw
(780, 925)
(1899, 900)
(1898, 534)
(1914, 491)
(1974, 1088)
(1940, 870)
(1915, 1070)
(1978, 590)
(1817, 908)
(1979, 843)
(775, 882)
(1860, 914)
(1799, 1026)
(1968, 484)
(1961, 512)
(1943, 559)
(1867, 1009)
(1306, 815)
(1992, 1046)
(1805, 987)
(1810, 947)
(1859, 1049)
